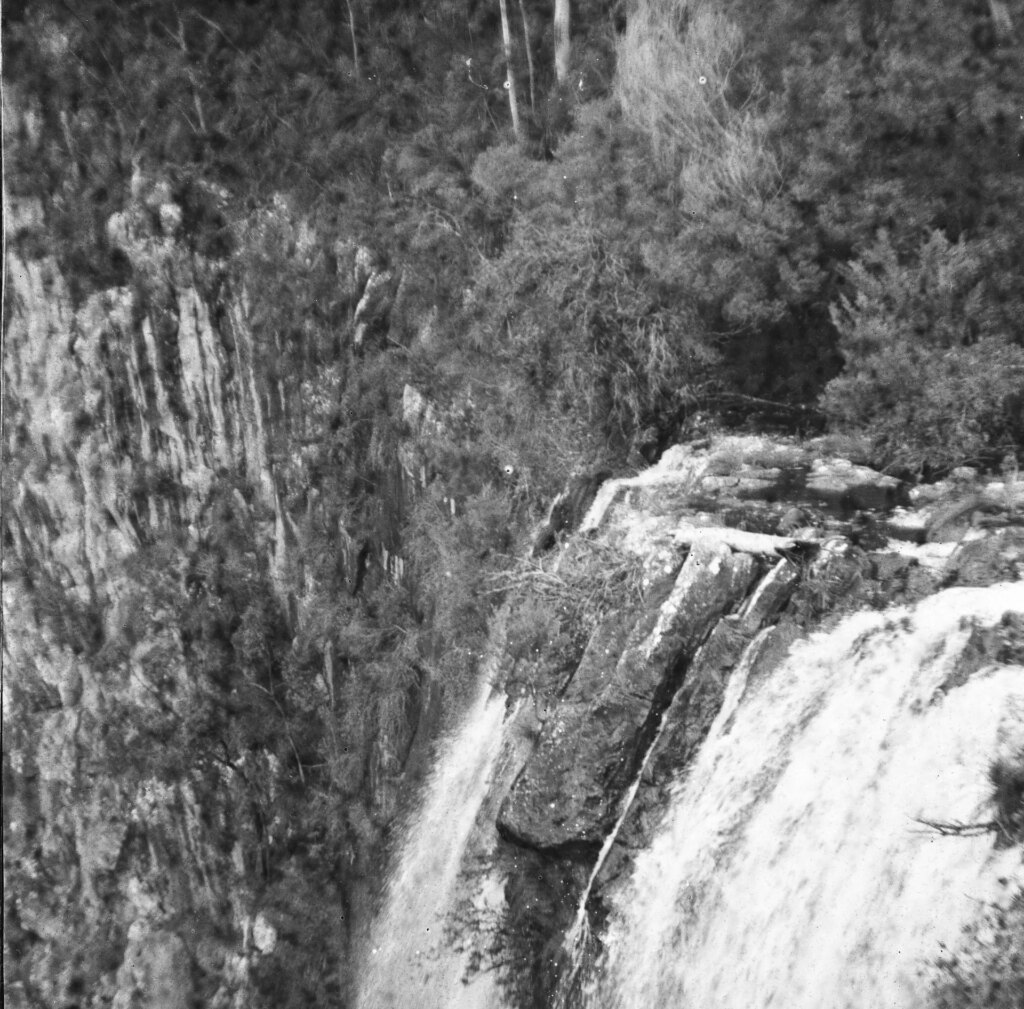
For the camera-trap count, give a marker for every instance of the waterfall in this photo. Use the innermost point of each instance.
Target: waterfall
(792, 867)
(415, 957)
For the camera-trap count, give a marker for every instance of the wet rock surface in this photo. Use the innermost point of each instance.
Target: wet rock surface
(824, 536)
(591, 746)
(829, 518)
(986, 560)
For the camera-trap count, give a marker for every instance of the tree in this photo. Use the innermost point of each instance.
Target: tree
(510, 80)
(562, 40)
(529, 53)
(352, 33)
(931, 371)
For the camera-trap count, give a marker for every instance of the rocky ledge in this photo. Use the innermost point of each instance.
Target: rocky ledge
(742, 540)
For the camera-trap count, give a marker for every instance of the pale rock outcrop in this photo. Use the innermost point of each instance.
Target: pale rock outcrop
(118, 426)
(842, 484)
(373, 304)
(155, 974)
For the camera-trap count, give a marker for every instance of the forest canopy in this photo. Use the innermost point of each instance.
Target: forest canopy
(716, 206)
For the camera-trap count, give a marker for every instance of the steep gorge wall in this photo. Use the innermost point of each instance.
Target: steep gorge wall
(120, 416)
(97, 864)
(140, 423)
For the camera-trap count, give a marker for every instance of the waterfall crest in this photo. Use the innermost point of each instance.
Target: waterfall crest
(792, 867)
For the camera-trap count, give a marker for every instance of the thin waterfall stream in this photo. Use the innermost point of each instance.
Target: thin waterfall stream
(412, 960)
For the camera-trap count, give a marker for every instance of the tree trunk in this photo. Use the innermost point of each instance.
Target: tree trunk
(529, 53)
(510, 82)
(562, 45)
(352, 32)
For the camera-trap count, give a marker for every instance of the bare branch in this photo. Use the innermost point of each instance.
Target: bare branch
(953, 828)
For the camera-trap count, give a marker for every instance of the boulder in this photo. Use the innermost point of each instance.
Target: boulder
(752, 483)
(569, 793)
(907, 524)
(998, 557)
(844, 485)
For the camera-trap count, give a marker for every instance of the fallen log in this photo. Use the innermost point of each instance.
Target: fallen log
(738, 540)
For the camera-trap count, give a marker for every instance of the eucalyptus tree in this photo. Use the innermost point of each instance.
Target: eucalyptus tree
(510, 80)
(562, 40)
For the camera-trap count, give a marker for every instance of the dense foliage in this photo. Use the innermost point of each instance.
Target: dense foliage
(802, 214)
(715, 209)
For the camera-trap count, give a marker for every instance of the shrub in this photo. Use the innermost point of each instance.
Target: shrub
(681, 81)
(452, 554)
(1006, 776)
(574, 312)
(306, 966)
(929, 371)
(553, 606)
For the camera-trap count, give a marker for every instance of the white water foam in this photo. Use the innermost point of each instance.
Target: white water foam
(412, 961)
(791, 869)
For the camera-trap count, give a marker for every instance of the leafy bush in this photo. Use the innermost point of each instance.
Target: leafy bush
(929, 374)
(574, 313)
(681, 80)
(553, 606)
(307, 966)
(453, 545)
(1006, 775)
(75, 624)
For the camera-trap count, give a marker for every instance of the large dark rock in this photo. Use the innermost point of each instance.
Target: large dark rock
(687, 723)
(753, 483)
(833, 582)
(985, 647)
(569, 793)
(541, 894)
(995, 558)
(697, 702)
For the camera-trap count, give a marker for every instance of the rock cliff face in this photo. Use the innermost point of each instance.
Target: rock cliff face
(138, 423)
(121, 413)
(597, 737)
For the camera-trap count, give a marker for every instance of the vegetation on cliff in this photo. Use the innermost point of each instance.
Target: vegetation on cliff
(804, 216)
(711, 208)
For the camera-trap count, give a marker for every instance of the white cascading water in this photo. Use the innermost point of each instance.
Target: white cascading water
(412, 961)
(791, 869)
